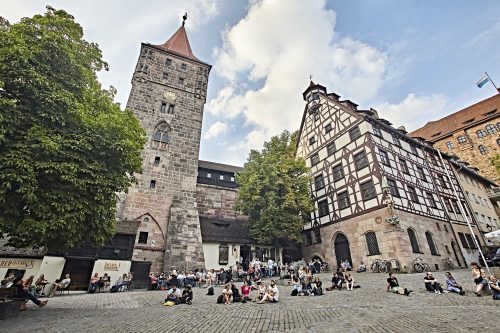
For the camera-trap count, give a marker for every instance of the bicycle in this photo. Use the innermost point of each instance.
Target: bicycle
(448, 264)
(420, 266)
(379, 266)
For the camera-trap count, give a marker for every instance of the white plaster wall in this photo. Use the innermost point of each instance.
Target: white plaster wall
(124, 268)
(52, 268)
(211, 253)
(32, 271)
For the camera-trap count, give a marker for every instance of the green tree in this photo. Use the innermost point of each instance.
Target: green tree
(66, 148)
(495, 160)
(273, 190)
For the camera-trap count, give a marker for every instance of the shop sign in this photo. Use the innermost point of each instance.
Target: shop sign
(111, 266)
(17, 263)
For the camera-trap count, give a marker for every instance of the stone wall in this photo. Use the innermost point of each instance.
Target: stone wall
(217, 201)
(393, 241)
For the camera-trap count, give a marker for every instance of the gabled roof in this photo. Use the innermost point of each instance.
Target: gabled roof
(218, 166)
(470, 116)
(179, 44)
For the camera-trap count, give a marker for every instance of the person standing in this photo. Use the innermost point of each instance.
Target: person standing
(270, 264)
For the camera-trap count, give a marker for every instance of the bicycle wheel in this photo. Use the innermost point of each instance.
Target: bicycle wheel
(418, 268)
(426, 267)
(382, 267)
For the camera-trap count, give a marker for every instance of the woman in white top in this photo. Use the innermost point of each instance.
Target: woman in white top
(272, 295)
(227, 293)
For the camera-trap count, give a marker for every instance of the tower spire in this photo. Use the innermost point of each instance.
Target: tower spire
(179, 42)
(184, 18)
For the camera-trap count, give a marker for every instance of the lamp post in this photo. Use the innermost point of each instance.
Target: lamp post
(386, 189)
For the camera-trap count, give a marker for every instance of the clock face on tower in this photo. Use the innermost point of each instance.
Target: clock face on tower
(169, 96)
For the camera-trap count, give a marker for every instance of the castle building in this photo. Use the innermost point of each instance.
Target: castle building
(378, 192)
(472, 134)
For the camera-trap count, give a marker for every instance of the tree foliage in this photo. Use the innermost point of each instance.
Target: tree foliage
(65, 147)
(495, 160)
(274, 190)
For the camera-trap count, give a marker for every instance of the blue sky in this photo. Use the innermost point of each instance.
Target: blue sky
(413, 61)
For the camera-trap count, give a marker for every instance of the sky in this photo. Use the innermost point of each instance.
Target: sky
(413, 61)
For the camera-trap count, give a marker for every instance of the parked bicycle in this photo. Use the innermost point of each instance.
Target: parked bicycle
(448, 264)
(420, 266)
(379, 266)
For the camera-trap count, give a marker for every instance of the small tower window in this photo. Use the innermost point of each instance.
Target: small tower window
(168, 62)
(163, 107)
(209, 175)
(160, 136)
(181, 80)
(171, 108)
(221, 177)
(183, 67)
(449, 144)
(143, 237)
(483, 150)
(152, 184)
(157, 160)
(165, 75)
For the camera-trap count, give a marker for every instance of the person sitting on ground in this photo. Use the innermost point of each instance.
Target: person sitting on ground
(173, 295)
(393, 286)
(452, 285)
(349, 281)
(187, 295)
(22, 292)
(227, 292)
(63, 284)
(479, 278)
(337, 280)
(161, 280)
(210, 278)
(317, 287)
(431, 284)
(272, 294)
(494, 287)
(361, 268)
(245, 292)
(235, 293)
(296, 286)
(94, 283)
(40, 285)
(261, 291)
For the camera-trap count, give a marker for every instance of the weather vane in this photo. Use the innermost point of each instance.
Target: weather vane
(184, 18)
(310, 77)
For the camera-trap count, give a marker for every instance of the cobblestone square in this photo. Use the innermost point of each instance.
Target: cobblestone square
(368, 309)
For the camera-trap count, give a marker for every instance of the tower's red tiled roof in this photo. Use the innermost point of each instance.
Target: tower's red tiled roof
(434, 130)
(179, 44)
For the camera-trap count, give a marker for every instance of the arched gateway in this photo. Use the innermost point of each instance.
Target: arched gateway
(341, 248)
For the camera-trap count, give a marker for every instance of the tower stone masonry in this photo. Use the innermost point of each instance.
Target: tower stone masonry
(168, 94)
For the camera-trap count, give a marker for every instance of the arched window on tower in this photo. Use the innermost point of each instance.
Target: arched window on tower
(160, 136)
(432, 245)
(413, 241)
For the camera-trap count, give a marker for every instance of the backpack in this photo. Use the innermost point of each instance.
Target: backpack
(295, 292)
(220, 299)
(210, 291)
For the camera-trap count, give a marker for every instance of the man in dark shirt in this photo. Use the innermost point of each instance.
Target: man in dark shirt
(393, 285)
(431, 284)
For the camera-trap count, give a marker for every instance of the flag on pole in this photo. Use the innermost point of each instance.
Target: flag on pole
(483, 81)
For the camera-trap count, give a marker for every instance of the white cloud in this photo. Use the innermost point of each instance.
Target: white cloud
(267, 57)
(215, 130)
(415, 111)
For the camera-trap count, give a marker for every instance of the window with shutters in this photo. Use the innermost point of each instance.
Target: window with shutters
(430, 241)
(413, 194)
(319, 182)
(330, 148)
(368, 190)
(338, 172)
(465, 245)
(431, 200)
(384, 157)
(314, 159)
(393, 187)
(328, 128)
(413, 241)
(360, 160)
(377, 131)
(421, 174)
(404, 166)
(343, 200)
(371, 242)
(354, 133)
(323, 208)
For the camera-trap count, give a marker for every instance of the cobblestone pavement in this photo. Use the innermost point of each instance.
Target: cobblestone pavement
(368, 309)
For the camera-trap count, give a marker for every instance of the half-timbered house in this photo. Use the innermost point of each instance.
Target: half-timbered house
(378, 193)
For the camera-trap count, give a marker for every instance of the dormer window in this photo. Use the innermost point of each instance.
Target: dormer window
(315, 96)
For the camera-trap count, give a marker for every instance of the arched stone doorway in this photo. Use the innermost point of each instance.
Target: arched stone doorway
(341, 247)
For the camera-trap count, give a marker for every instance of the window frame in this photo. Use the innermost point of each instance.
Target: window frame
(368, 188)
(319, 182)
(140, 238)
(404, 166)
(483, 150)
(415, 245)
(432, 201)
(490, 129)
(329, 150)
(481, 133)
(323, 209)
(336, 172)
(343, 200)
(355, 133)
(393, 189)
(328, 128)
(412, 191)
(373, 241)
(360, 162)
(462, 139)
(384, 157)
(432, 244)
(314, 159)
(377, 131)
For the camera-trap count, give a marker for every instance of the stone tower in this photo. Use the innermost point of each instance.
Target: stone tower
(168, 94)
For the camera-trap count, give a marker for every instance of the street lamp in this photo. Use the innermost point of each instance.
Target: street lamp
(386, 189)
